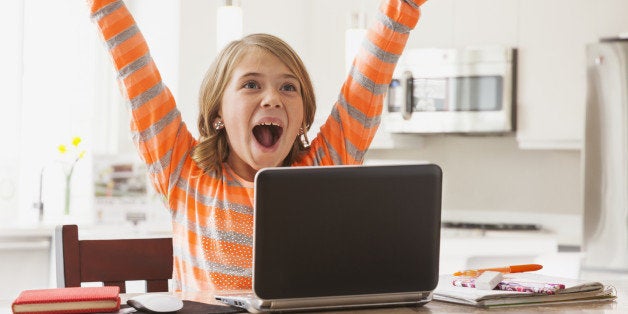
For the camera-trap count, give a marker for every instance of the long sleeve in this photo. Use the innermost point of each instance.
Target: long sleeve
(212, 215)
(156, 126)
(355, 117)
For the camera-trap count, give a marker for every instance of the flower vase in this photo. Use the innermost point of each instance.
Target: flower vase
(67, 199)
(72, 154)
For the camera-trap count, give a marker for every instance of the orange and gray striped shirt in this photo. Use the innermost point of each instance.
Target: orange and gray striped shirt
(212, 214)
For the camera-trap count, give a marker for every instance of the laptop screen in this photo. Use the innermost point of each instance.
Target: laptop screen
(350, 230)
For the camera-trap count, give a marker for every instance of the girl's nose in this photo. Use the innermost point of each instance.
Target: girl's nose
(272, 99)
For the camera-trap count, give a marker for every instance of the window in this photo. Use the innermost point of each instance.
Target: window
(56, 83)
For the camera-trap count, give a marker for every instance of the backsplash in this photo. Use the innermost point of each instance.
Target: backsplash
(491, 174)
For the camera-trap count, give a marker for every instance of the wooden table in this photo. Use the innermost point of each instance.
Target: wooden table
(618, 306)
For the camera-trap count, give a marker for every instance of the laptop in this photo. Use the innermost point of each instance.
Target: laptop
(343, 237)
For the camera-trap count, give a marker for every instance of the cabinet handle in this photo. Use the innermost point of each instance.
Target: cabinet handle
(407, 90)
(599, 60)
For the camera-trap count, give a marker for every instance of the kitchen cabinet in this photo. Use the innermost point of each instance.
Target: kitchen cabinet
(25, 257)
(552, 66)
(475, 22)
(552, 71)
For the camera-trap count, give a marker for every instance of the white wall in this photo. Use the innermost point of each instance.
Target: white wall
(10, 18)
(493, 174)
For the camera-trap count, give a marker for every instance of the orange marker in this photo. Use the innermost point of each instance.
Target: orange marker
(505, 270)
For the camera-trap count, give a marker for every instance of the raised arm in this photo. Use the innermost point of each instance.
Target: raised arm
(157, 130)
(349, 130)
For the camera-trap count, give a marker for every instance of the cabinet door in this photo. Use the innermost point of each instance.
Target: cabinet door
(552, 71)
(435, 27)
(611, 18)
(25, 264)
(485, 22)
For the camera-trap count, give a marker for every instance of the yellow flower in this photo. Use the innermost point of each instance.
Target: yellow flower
(76, 141)
(72, 150)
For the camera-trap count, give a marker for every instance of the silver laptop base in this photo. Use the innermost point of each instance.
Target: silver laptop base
(256, 305)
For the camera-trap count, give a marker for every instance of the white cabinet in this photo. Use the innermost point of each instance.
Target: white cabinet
(552, 71)
(552, 66)
(24, 263)
(459, 23)
(485, 22)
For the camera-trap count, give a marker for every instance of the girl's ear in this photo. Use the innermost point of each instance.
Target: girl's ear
(218, 124)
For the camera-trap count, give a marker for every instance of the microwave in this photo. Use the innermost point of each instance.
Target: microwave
(466, 90)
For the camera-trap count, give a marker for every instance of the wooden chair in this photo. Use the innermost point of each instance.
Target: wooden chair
(112, 261)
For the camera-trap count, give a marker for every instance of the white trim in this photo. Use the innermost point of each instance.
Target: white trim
(558, 144)
(25, 245)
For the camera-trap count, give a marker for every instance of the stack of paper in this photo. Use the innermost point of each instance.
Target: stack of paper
(575, 291)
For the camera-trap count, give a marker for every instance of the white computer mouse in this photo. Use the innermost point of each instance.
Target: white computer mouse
(156, 303)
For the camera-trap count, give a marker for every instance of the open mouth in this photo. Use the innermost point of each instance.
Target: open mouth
(267, 134)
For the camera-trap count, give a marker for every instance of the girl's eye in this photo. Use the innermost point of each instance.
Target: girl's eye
(251, 85)
(289, 87)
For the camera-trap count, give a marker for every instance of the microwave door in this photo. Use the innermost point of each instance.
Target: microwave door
(476, 93)
(453, 91)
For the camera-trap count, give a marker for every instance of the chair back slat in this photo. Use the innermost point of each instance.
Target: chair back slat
(71, 257)
(114, 261)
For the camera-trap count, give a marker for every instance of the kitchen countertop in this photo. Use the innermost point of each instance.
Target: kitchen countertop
(491, 240)
(30, 232)
(90, 231)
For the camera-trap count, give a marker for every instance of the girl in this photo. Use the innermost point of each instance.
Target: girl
(256, 105)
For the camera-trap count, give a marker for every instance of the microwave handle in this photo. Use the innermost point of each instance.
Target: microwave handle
(407, 90)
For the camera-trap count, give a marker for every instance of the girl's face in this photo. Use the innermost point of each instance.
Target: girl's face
(262, 110)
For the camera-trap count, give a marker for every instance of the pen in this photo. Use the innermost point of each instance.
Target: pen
(505, 270)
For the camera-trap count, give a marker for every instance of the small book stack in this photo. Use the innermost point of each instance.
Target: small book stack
(68, 300)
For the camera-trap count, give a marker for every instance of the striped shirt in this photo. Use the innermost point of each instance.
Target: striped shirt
(212, 214)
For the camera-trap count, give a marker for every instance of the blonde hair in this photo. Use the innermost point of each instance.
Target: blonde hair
(213, 149)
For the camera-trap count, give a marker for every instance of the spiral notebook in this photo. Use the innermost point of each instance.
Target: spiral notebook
(571, 291)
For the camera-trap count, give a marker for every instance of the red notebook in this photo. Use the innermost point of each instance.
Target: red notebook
(68, 300)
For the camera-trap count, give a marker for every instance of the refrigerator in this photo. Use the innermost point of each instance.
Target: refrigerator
(605, 157)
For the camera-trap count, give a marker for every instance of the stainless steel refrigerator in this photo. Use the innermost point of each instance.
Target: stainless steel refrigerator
(605, 157)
